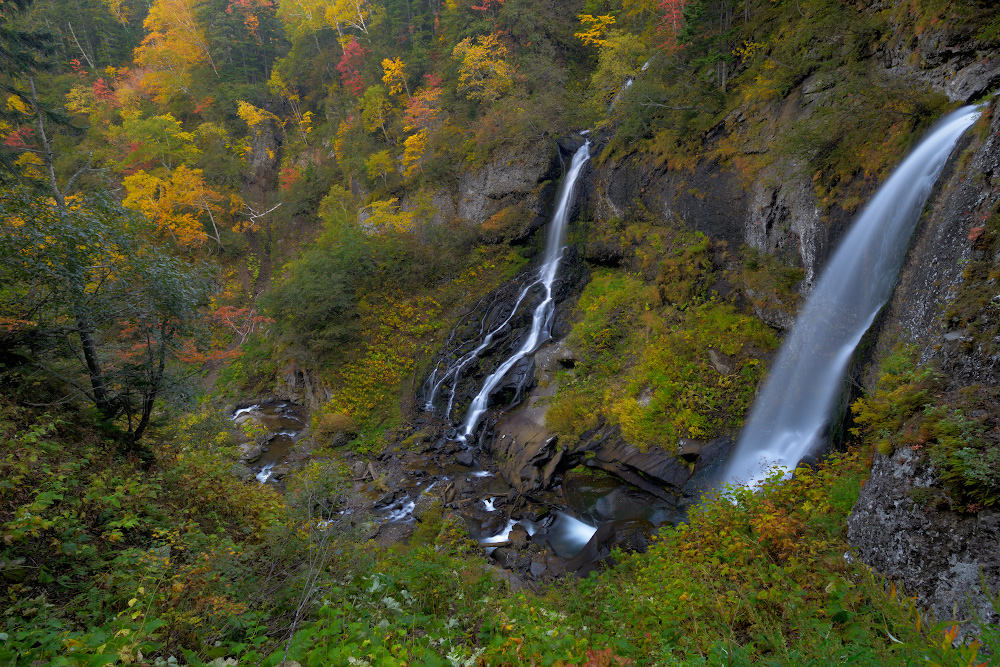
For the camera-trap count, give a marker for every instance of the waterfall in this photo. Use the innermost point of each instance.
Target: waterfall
(792, 411)
(541, 320)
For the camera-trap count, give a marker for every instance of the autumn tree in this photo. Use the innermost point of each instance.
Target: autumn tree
(394, 76)
(350, 65)
(376, 109)
(423, 108)
(175, 43)
(176, 204)
(484, 73)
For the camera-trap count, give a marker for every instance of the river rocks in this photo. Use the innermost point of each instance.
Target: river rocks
(250, 451)
(629, 535)
(936, 554)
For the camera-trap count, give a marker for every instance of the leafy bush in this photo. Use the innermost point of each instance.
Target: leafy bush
(910, 407)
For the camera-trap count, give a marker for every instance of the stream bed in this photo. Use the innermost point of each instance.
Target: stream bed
(274, 428)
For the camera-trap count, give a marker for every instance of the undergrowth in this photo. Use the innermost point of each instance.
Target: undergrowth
(663, 358)
(911, 406)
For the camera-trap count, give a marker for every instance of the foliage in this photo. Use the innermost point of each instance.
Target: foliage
(89, 302)
(910, 407)
(644, 353)
(484, 74)
(174, 44)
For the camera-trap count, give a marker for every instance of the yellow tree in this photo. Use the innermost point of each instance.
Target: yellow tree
(358, 14)
(303, 17)
(174, 44)
(593, 28)
(413, 152)
(394, 76)
(175, 203)
(484, 74)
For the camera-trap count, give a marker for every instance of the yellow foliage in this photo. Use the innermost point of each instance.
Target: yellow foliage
(174, 44)
(394, 76)
(594, 28)
(485, 74)
(15, 103)
(174, 203)
(253, 116)
(386, 214)
(413, 151)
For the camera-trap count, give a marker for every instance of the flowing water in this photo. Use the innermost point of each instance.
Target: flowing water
(541, 321)
(496, 321)
(793, 410)
(283, 422)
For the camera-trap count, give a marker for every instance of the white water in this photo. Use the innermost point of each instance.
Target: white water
(244, 411)
(793, 410)
(568, 535)
(265, 473)
(541, 320)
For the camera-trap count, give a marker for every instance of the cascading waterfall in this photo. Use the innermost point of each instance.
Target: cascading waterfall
(792, 411)
(541, 321)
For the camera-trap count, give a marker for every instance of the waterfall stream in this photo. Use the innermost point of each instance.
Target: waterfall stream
(542, 280)
(541, 319)
(793, 409)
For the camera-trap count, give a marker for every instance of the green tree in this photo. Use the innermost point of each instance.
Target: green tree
(88, 301)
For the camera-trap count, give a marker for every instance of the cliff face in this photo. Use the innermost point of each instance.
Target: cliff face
(936, 552)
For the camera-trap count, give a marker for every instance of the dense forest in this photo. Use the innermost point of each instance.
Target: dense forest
(249, 250)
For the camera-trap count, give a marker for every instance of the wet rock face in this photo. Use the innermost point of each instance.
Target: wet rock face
(934, 268)
(519, 179)
(775, 213)
(936, 554)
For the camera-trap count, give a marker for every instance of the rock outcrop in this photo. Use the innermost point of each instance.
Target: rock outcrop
(937, 554)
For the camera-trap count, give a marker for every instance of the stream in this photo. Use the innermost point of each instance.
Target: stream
(276, 427)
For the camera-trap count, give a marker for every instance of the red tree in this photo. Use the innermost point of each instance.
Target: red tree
(350, 67)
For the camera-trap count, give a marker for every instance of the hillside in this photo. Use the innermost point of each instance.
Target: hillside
(377, 332)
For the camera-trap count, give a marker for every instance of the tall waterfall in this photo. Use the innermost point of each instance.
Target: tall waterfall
(791, 413)
(541, 321)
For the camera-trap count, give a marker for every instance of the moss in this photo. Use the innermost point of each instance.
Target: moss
(770, 282)
(911, 407)
(642, 345)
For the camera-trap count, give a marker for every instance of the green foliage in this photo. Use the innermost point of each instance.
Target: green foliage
(644, 352)
(909, 407)
(87, 300)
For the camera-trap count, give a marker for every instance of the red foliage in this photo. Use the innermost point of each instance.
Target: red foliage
(19, 138)
(671, 23)
(103, 91)
(77, 67)
(287, 177)
(489, 6)
(350, 67)
(204, 104)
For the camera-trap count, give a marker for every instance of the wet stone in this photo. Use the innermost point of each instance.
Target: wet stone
(518, 535)
(466, 458)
